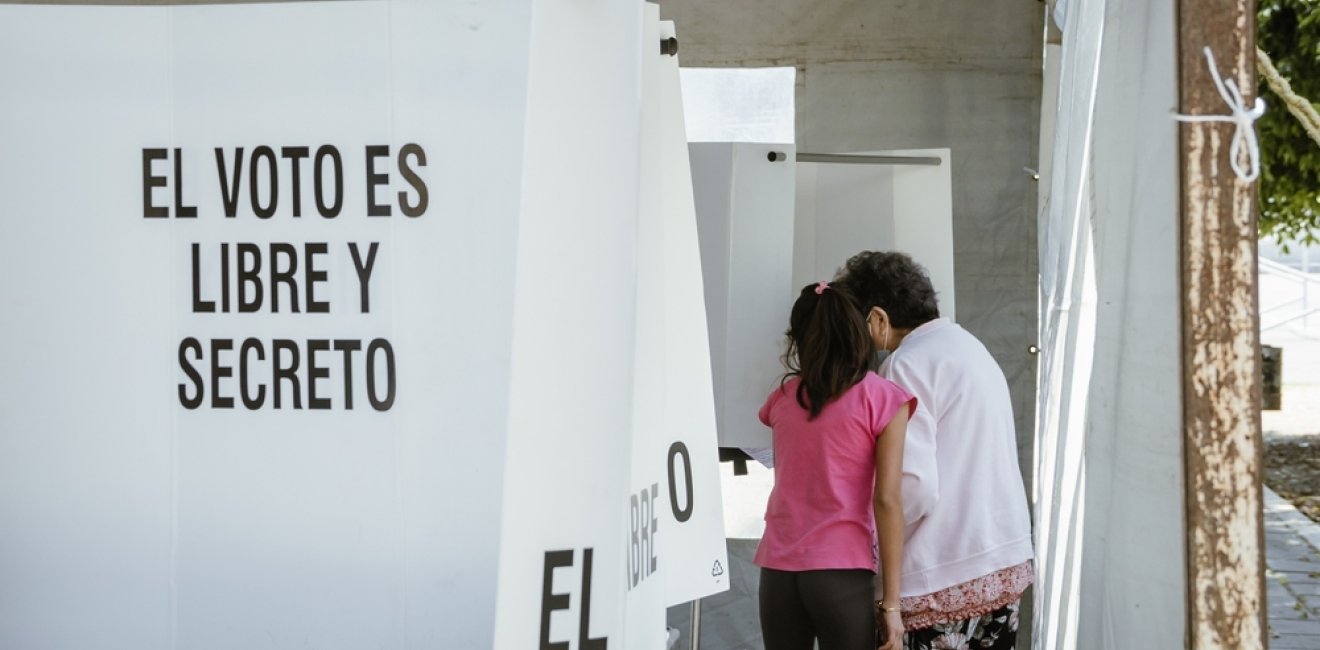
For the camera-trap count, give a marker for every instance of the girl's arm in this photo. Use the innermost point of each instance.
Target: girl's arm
(888, 503)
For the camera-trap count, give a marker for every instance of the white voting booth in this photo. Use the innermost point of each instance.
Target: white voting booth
(876, 200)
(347, 325)
(773, 220)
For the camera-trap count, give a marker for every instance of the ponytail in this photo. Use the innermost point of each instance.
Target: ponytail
(829, 347)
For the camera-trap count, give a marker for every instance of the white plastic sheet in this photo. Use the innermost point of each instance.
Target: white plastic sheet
(1108, 484)
(739, 104)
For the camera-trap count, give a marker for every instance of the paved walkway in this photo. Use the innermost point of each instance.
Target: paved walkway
(1292, 583)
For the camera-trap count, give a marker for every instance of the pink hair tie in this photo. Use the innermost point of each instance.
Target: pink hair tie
(821, 287)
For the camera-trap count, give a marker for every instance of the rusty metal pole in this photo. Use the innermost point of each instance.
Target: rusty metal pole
(1221, 346)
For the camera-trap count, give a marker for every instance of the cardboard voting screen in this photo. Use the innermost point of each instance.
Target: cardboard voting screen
(243, 385)
(744, 204)
(843, 209)
(696, 549)
(319, 325)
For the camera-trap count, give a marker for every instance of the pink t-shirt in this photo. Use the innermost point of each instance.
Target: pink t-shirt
(820, 514)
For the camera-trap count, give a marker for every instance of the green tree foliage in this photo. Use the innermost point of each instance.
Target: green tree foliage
(1289, 31)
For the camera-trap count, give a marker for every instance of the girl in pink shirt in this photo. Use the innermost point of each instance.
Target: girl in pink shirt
(835, 511)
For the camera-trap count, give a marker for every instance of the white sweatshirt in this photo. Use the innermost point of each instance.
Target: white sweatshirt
(963, 497)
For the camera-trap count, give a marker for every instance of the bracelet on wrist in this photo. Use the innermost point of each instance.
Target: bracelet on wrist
(879, 605)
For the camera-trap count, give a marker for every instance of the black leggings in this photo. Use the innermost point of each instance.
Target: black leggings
(836, 606)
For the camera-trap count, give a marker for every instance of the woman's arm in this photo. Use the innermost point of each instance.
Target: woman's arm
(921, 476)
(888, 503)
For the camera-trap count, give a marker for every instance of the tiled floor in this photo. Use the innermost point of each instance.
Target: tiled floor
(1292, 591)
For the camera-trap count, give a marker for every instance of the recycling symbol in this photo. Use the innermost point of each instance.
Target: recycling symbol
(718, 569)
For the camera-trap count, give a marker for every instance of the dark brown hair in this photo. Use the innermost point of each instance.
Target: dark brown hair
(829, 347)
(893, 282)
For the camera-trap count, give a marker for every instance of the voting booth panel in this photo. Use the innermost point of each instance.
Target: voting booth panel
(744, 202)
(769, 227)
(645, 559)
(695, 546)
(845, 208)
(329, 339)
(242, 390)
(566, 472)
(675, 537)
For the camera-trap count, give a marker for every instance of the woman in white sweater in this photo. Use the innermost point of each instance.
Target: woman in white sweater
(967, 548)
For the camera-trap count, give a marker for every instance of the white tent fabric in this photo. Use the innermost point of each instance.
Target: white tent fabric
(1108, 488)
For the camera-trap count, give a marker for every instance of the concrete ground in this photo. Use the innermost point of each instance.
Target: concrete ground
(1292, 591)
(1292, 541)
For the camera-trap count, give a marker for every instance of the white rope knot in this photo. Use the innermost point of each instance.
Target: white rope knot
(1244, 118)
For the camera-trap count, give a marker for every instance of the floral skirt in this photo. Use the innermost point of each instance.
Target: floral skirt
(996, 630)
(968, 600)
